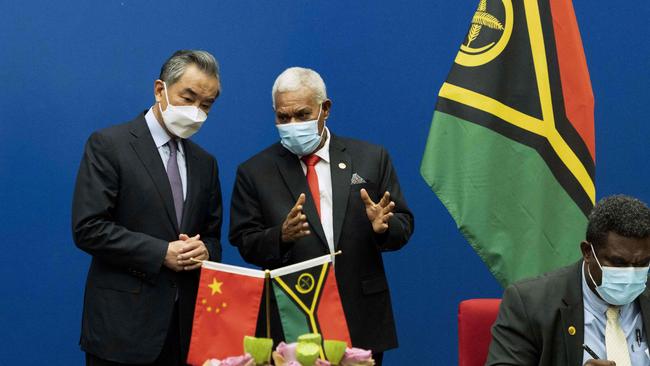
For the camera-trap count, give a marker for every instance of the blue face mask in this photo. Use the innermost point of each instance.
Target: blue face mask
(301, 138)
(620, 285)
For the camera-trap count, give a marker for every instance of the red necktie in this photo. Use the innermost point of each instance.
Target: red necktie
(312, 178)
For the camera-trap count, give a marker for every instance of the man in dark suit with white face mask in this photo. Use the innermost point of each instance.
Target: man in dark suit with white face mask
(313, 193)
(147, 202)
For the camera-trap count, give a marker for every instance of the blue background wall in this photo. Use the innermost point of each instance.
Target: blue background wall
(70, 67)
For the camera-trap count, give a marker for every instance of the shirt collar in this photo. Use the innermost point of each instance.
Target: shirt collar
(160, 136)
(324, 152)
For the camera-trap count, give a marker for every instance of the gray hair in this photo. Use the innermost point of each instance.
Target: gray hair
(175, 66)
(296, 78)
(623, 215)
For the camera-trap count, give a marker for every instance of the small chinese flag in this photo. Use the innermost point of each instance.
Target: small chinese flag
(227, 305)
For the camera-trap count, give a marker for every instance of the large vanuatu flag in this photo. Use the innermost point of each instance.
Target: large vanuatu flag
(308, 300)
(511, 147)
(227, 305)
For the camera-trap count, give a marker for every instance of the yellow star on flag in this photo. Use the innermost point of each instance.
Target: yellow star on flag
(215, 286)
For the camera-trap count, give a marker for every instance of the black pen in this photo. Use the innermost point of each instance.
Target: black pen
(590, 352)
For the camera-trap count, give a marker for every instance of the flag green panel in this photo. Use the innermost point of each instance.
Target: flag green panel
(294, 320)
(504, 199)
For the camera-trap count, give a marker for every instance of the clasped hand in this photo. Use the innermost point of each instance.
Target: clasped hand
(183, 254)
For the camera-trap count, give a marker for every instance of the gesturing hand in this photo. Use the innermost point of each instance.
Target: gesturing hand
(295, 226)
(378, 213)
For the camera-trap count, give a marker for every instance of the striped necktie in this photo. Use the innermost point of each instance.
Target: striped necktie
(175, 182)
(615, 342)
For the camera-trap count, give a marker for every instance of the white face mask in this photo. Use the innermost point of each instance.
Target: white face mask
(182, 121)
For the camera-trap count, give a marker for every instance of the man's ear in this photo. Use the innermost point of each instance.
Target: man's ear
(327, 106)
(158, 90)
(587, 253)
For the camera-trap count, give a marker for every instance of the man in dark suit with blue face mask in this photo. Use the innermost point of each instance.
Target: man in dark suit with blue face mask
(595, 312)
(314, 193)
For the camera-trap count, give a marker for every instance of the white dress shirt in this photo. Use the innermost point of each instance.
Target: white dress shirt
(595, 320)
(325, 188)
(160, 138)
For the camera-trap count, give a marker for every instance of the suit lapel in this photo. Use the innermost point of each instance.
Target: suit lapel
(294, 178)
(193, 183)
(341, 172)
(573, 318)
(147, 153)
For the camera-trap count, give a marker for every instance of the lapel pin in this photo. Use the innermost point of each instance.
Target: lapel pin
(342, 165)
(572, 330)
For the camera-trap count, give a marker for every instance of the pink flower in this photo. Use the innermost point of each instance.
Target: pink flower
(244, 360)
(287, 351)
(285, 355)
(357, 357)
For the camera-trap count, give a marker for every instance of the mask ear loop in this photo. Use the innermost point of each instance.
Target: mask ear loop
(166, 93)
(592, 279)
(589, 271)
(320, 136)
(166, 97)
(595, 257)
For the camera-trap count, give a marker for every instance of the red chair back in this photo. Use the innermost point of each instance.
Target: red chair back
(475, 319)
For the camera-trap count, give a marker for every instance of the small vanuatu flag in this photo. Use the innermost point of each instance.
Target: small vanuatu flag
(308, 300)
(511, 148)
(227, 305)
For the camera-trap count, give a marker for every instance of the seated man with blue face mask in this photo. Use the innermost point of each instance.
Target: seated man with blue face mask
(595, 312)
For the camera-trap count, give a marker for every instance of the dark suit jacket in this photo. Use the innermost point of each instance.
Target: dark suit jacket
(123, 216)
(532, 327)
(266, 188)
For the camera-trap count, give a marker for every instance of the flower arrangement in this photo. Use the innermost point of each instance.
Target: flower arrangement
(307, 351)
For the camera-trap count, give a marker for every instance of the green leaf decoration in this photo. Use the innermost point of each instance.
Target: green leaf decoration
(307, 353)
(259, 348)
(334, 351)
(311, 338)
